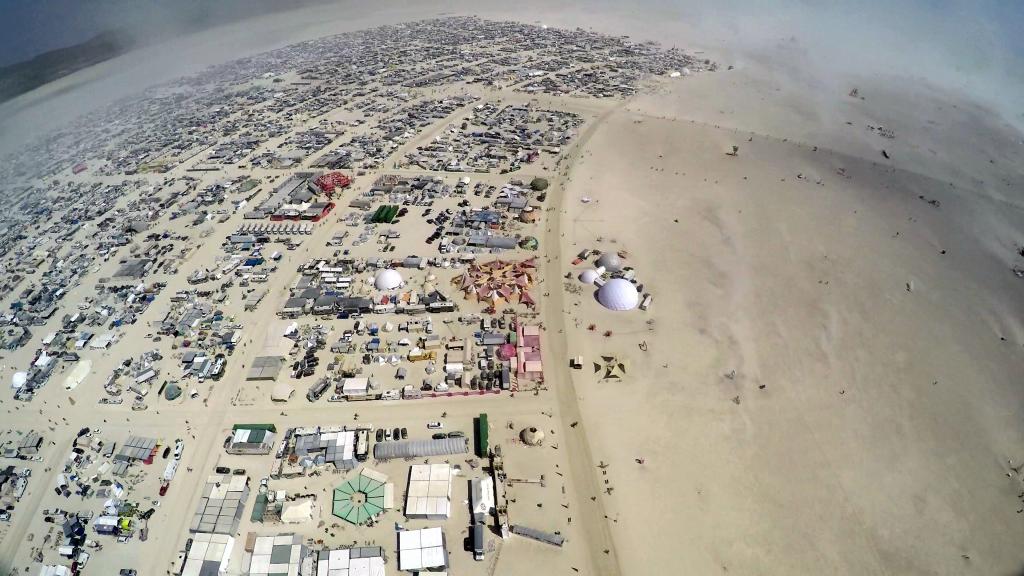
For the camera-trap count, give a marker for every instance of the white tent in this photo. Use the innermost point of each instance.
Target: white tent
(387, 279)
(588, 276)
(282, 392)
(77, 374)
(618, 294)
(297, 511)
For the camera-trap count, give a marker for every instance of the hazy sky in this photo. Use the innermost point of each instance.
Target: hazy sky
(30, 27)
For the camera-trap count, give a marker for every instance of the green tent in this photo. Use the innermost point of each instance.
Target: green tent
(529, 243)
(172, 392)
(358, 500)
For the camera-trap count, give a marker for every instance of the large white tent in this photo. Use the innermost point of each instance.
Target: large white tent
(387, 279)
(618, 294)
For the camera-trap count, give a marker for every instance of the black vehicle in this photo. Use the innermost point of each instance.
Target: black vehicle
(439, 436)
(478, 541)
(395, 434)
(457, 434)
(238, 471)
(405, 433)
(167, 452)
(222, 470)
(380, 434)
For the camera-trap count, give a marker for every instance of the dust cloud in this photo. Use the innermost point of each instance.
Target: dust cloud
(969, 48)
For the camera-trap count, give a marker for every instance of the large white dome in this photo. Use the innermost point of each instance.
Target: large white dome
(618, 294)
(610, 261)
(387, 279)
(589, 275)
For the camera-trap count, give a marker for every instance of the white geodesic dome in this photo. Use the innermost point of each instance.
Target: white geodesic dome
(589, 275)
(610, 261)
(618, 294)
(388, 279)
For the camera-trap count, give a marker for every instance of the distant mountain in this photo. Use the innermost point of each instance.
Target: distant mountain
(19, 78)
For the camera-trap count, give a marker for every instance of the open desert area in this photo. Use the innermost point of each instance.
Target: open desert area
(555, 301)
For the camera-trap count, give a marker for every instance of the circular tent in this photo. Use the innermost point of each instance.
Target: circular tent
(589, 275)
(529, 215)
(529, 243)
(618, 294)
(610, 261)
(506, 351)
(358, 500)
(532, 436)
(172, 392)
(387, 279)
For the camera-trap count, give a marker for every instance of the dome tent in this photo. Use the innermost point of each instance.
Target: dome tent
(618, 294)
(532, 436)
(387, 279)
(610, 261)
(172, 392)
(588, 276)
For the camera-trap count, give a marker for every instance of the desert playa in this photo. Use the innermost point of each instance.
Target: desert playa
(694, 312)
(827, 380)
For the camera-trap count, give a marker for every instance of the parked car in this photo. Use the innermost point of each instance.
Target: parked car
(222, 470)
(439, 436)
(405, 433)
(434, 425)
(380, 434)
(395, 434)
(457, 434)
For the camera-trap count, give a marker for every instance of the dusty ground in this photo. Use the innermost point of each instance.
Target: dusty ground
(866, 428)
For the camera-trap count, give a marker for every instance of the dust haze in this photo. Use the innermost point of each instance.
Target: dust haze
(965, 47)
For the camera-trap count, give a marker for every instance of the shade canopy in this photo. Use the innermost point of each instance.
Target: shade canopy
(359, 499)
(282, 392)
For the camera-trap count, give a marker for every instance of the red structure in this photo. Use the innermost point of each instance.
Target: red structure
(332, 180)
(323, 213)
